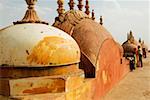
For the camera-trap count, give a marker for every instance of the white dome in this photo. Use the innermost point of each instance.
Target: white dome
(36, 45)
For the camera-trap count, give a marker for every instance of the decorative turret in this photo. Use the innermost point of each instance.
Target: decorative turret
(30, 15)
(93, 15)
(87, 7)
(60, 9)
(140, 41)
(131, 37)
(80, 5)
(71, 4)
(131, 33)
(101, 20)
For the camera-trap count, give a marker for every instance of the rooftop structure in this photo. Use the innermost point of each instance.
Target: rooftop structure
(30, 15)
(80, 5)
(87, 7)
(76, 59)
(96, 45)
(60, 9)
(71, 4)
(93, 15)
(101, 20)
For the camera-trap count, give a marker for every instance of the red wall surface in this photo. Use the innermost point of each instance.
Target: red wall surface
(111, 71)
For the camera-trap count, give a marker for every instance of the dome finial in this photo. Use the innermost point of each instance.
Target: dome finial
(140, 40)
(101, 20)
(60, 9)
(93, 15)
(130, 31)
(131, 34)
(71, 4)
(30, 15)
(80, 5)
(87, 7)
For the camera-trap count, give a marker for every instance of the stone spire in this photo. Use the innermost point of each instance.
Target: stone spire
(131, 37)
(93, 15)
(60, 9)
(30, 15)
(71, 4)
(101, 20)
(131, 34)
(87, 7)
(80, 5)
(140, 40)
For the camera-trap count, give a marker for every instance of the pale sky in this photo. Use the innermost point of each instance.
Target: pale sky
(120, 16)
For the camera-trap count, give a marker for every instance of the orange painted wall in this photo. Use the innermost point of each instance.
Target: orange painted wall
(111, 71)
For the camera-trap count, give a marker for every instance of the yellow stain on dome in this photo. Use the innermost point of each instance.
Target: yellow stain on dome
(54, 50)
(104, 77)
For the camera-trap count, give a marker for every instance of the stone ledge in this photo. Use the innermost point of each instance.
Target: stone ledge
(39, 85)
(24, 72)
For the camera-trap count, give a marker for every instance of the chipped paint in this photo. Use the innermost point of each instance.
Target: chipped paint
(53, 51)
(104, 77)
(35, 85)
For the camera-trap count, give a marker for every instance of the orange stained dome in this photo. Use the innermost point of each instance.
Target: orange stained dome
(34, 44)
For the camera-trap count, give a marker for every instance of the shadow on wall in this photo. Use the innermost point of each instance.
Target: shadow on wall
(89, 70)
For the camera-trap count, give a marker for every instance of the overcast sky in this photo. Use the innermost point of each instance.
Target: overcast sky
(120, 16)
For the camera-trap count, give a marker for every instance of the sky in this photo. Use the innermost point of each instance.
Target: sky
(120, 16)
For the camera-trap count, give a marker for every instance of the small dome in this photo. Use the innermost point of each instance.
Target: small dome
(129, 47)
(36, 45)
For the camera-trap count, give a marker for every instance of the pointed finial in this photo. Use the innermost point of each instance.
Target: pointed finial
(30, 15)
(71, 4)
(80, 5)
(60, 9)
(87, 7)
(131, 34)
(101, 20)
(140, 40)
(93, 15)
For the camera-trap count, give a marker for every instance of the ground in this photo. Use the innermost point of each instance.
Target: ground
(134, 86)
